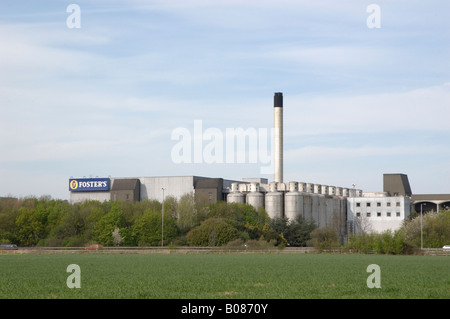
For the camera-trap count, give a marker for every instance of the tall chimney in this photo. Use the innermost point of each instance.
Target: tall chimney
(278, 136)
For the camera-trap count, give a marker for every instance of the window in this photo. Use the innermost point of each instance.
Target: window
(358, 214)
(398, 204)
(378, 214)
(368, 214)
(388, 214)
(378, 204)
(367, 204)
(358, 204)
(397, 214)
(388, 204)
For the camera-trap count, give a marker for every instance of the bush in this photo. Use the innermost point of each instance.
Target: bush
(212, 232)
(296, 232)
(324, 238)
(387, 242)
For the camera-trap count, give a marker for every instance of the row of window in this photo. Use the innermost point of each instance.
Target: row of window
(379, 204)
(369, 214)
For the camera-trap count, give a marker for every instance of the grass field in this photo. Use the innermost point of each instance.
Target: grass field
(237, 276)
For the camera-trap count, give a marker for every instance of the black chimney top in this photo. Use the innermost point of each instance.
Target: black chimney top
(278, 100)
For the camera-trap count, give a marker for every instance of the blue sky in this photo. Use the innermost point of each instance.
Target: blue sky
(103, 99)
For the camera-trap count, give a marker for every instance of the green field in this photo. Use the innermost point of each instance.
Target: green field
(237, 276)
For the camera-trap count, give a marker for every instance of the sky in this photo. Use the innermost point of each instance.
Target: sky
(100, 90)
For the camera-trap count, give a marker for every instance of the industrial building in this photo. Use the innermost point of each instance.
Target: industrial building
(344, 209)
(206, 189)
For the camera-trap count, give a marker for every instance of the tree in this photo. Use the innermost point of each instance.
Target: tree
(435, 230)
(104, 228)
(29, 227)
(362, 224)
(147, 228)
(186, 213)
(297, 232)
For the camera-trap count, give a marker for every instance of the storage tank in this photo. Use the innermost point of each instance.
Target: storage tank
(293, 202)
(308, 206)
(255, 197)
(235, 196)
(274, 202)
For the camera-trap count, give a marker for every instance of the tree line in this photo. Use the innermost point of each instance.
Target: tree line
(57, 223)
(51, 222)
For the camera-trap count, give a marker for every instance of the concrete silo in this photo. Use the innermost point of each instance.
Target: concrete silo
(293, 202)
(255, 197)
(274, 202)
(235, 196)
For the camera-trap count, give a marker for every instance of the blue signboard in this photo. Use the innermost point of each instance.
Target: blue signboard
(89, 184)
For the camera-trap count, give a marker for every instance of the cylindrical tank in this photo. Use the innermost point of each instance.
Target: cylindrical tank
(308, 206)
(274, 204)
(255, 198)
(293, 205)
(235, 196)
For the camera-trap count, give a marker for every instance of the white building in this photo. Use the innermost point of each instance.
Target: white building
(377, 212)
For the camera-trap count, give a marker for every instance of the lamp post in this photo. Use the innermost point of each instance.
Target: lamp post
(421, 235)
(162, 222)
